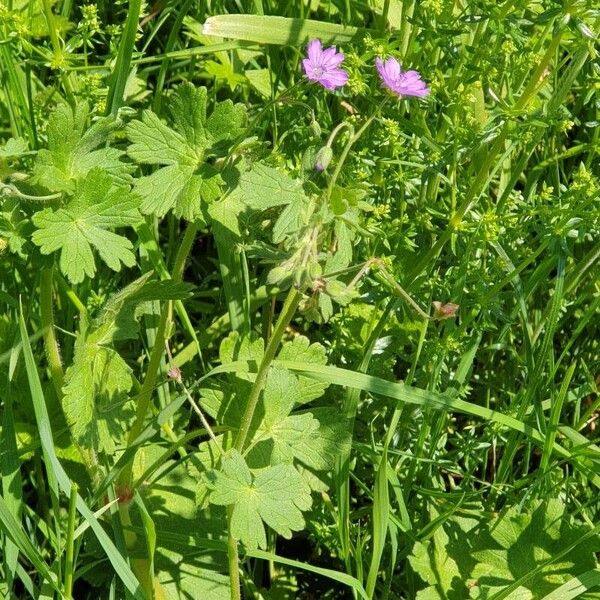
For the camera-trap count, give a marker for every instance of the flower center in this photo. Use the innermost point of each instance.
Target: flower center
(318, 71)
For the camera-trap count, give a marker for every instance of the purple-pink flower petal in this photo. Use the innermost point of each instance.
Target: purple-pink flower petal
(314, 50)
(401, 83)
(322, 66)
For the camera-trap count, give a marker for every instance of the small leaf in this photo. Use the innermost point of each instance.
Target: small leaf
(275, 496)
(301, 350)
(73, 150)
(85, 223)
(154, 143)
(264, 187)
(95, 397)
(13, 148)
(185, 183)
(96, 402)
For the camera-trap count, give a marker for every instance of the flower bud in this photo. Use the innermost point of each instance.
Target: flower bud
(315, 128)
(444, 311)
(174, 373)
(323, 158)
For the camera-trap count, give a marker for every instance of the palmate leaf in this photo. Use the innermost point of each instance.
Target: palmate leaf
(311, 439)
(300, 349)
(96, 402)
(467, 558)
(13, 148)
(84, 223)
(275, 495)
(184, 183)
(73, 151)
(263, 187)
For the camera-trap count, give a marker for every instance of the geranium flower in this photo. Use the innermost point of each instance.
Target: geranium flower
(323, 66)
(401, 83)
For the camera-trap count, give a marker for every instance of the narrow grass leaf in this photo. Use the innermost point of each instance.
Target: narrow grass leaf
(278, 30)
(427, 398)
(381, 512)
(122, 67)
(576, 587)
(57, 475)
(554, 420)
(330, 574)
(13, 530)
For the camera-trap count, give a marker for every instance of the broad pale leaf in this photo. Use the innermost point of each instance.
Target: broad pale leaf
(95, 401)
(275, 496)
(74, 150)
(184, 183)
(12, 148)
(84, 224)
(301, 350)
(264, 187)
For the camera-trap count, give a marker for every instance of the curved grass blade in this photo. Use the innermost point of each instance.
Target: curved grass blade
(426, 398)
(576, 586)
(343, 578)
(57, 474)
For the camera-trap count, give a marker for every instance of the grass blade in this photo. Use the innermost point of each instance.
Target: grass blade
(381, 512)
(122, 66)
(59, 476)
(576, 586)
(430, 399)
(278, 30)
(330, 574)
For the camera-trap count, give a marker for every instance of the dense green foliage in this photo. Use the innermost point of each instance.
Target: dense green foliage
(261, 339)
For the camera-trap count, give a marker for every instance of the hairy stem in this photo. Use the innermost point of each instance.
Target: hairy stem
(233, 560)
(142, 567)
(287, 312)
(158, 349)
(50, 341)
(353, 139)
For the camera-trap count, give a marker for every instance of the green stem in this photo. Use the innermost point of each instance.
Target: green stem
(353, 139)
(49, 16)
(142, 567)
(384, 16)
(12, 190)
(50, 341)
(55, 41)
(68, 589)
(286, 315)
(233, 560)
(158, 349)
(287, 312)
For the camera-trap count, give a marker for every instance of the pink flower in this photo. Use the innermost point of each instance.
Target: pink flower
(322, 66)
(402, 83)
